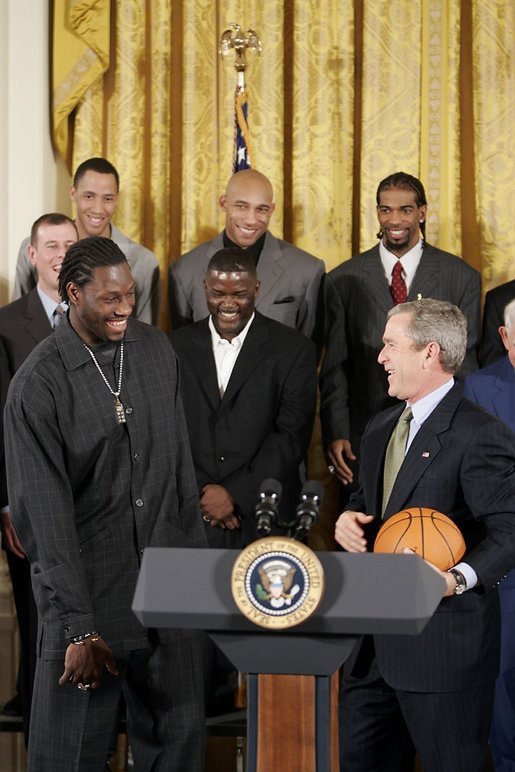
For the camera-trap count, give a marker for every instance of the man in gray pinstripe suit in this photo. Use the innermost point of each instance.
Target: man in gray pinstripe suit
(99, 468)
(432, 692)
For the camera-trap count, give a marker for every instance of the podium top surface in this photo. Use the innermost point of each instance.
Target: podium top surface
(365, 593)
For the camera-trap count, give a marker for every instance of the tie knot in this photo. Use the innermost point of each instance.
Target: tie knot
(397, 269)
(58, 314)
(406, 415)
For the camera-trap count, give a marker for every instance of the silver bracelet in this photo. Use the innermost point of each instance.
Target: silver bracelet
(80, 640)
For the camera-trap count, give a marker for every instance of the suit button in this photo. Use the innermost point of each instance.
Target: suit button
(136, 457)
(221, 459)
(66, 628)
(139, 502)
(128, 410)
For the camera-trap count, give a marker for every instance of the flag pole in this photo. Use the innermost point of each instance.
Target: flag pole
(233, 39)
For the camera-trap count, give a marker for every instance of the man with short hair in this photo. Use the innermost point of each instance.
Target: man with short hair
(249, 392)
(23, 324)
(496, 300)
(431, 692)
(99, 468)
(358, 295)
(493, 388)
(95, 192)
(291, 279)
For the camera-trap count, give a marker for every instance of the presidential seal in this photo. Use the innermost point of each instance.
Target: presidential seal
(277, 582)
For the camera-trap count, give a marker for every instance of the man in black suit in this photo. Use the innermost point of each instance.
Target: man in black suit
(23, 324)
(249, 391)
(432, 692)
(358, 295)
(492, 348)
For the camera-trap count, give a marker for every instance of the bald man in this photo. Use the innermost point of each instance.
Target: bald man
(290, 278)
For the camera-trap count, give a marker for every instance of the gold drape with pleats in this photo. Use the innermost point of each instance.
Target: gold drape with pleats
(345, 92)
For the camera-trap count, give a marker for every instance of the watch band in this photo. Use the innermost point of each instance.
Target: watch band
(461, 582)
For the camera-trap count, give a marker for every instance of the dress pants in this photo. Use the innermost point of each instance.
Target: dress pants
(381, 728)
(502, 735)
(71, 729)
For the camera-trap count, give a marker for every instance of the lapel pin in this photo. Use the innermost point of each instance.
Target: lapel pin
(425, 454)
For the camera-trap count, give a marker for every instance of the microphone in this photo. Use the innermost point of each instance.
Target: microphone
(306, 514)
(265, 511)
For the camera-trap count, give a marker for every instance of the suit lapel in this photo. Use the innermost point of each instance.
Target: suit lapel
(424, 449)
(252, 353)
(202, 361)
(375, 281)
(427, 275)
(270, 267)
(35, 319)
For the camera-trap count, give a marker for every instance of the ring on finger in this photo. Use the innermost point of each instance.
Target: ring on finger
(83, 687)
(206, 519)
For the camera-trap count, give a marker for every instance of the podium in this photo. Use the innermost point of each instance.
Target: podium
(292, 705)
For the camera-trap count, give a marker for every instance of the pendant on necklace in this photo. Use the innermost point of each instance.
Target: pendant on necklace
(120, 411)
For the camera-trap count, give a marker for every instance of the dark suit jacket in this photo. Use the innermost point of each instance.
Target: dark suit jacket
(261, 427)
(496, 300)
(357, 298)
(23, 324)
(461, 463)
(291, 284)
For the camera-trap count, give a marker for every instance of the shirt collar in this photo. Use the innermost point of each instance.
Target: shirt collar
(409, 261)
(423, 408)
(237, 341)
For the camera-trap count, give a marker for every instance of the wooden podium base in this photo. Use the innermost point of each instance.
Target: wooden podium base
(292, 723)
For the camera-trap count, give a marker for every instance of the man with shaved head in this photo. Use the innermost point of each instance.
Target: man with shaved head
(290, 278)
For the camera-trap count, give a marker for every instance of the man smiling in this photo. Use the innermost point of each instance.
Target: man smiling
(431, 692)
(358, 295)
(99, 468)
(95, 193)
(249, 390)
(290, 278)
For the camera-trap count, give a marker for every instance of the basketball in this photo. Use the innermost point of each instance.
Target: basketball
(432, 535)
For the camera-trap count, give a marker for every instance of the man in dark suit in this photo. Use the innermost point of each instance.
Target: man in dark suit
(23, 324)
(494, 389)
(496, 300)
(249, 392)
(291, 279)
(358, 295)
(98, 469)
(432, 692)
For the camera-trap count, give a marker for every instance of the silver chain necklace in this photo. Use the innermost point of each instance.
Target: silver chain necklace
(120, 411)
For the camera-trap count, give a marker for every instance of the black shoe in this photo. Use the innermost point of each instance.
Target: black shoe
(12, 708)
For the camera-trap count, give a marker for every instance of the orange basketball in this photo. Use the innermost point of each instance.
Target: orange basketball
(430, 534)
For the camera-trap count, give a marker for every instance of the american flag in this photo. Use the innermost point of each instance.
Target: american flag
(242, 151)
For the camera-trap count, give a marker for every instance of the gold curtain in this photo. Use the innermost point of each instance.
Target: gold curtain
(345, 92)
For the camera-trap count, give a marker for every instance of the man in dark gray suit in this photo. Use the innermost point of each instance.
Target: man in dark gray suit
(358, 295)
(99, 468)
(23, 324)
(432, 692)
(290, 278)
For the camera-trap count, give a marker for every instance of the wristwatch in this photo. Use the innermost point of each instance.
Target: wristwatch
(461, 582)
